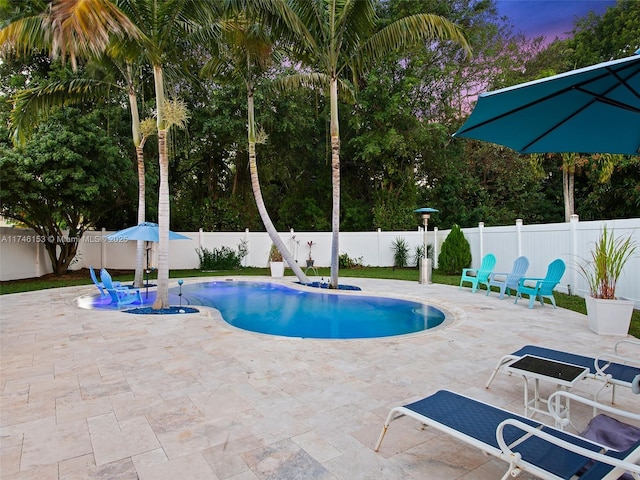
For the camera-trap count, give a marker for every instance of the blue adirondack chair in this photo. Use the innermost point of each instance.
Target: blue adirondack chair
(119, 295)
(479, 276)
(509, 281)
(542, 288)
(100, 285)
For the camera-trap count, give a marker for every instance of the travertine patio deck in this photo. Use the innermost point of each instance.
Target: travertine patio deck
(90, 394)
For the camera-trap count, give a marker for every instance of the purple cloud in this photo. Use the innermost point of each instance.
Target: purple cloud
(550, 18)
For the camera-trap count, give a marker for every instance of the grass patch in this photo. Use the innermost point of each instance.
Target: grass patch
(81, 277)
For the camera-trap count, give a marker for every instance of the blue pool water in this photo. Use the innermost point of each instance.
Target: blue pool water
(279, 310)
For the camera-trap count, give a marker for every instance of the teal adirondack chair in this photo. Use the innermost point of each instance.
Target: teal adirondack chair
(509, 281)
(479, 276)
(100, 285)
(119, 295)
(542, 288)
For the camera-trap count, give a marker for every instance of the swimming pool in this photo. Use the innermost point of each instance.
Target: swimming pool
(276, 309)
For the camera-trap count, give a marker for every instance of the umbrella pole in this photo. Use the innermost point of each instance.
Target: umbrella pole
(147, 269)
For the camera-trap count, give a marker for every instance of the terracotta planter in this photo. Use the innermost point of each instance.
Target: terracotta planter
(609, 317)
(277, 269)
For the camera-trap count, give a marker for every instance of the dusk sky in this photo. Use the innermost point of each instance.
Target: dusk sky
(550, 18)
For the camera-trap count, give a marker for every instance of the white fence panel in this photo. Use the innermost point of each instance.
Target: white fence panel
(540, 243)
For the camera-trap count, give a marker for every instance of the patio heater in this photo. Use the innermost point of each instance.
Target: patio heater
(425, 263)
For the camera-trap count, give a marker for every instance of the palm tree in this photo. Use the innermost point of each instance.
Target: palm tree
(66, 28)
(343, 39)
(244, 52)
(164, 25)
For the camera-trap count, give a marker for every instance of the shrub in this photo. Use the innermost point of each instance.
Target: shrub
(274, 254)
(344, 261)
(400, 249)
(455, 254)
(223, 258)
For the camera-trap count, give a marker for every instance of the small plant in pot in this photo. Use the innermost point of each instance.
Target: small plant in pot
(607, 314)
(310, 258)
(276, 263)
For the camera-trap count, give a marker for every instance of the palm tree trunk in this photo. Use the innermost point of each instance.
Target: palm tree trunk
(139, 144)
(162, 296)
(257, 193)
(140, 246)
(335, 182)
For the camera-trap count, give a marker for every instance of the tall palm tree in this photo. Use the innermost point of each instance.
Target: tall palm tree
(344, 39)
(244, 52)
(164, 25)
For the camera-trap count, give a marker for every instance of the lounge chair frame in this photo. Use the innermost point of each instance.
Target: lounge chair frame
(612, 369)
(526, 445)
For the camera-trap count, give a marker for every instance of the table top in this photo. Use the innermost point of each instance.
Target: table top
(545, 369)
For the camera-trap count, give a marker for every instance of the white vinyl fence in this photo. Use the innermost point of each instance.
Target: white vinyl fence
(22, 254)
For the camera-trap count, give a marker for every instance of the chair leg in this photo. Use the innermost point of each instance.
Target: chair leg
(532, 299)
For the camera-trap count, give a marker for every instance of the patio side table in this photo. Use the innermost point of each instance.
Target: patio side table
(563, 375)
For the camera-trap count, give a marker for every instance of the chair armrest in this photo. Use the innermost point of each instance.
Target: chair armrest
(515, 457)
(492, 275)
(572, 396)
(466, 271)
(608, 358)
(528, 279)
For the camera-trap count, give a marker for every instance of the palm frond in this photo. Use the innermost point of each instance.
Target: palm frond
(314, 81)
(35, 104)
(411, 30)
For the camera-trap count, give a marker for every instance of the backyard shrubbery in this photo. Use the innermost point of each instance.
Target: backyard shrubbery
(455, 254)
(223, 258)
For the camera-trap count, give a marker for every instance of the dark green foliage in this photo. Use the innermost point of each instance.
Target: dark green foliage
(223, 258)
(347, 262)
(455, 254)
(400, 249)
(70, 176)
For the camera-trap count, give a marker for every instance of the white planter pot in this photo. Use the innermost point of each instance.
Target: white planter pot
(609, 317)
(277, 269)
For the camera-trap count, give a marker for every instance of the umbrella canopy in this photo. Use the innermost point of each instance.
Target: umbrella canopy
(146, 231)
(590, 110)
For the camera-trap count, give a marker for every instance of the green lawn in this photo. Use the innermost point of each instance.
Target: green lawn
(574, 303)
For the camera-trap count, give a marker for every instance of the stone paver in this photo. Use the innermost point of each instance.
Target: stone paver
(94, 394)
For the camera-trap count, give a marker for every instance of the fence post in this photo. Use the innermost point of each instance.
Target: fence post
(519, 235)
(378, 246)
(435, 247)
(246, 239)
(573, 224)
(481, 235)
(103, 250)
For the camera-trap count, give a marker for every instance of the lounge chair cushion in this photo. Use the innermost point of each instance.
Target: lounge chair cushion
(611, 432)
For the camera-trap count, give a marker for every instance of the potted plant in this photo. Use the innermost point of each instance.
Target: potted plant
(607, 314)
(276, 263)
(310, 258)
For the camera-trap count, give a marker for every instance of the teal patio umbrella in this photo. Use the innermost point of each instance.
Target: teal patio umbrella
(148, 232)
(594, 109)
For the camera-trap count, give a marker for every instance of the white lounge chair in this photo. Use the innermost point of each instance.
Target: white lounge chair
(524, 444)
(611, 369)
